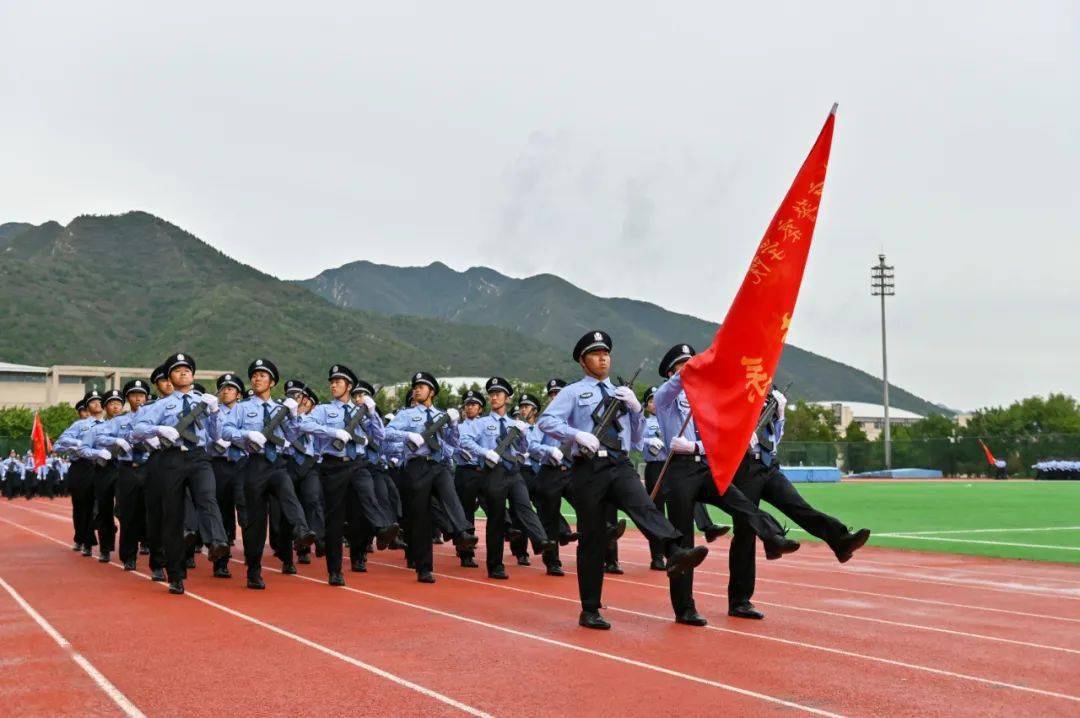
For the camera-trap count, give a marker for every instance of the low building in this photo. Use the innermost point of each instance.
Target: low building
(871, 417)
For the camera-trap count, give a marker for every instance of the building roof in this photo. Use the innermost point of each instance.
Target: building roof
(22, 368)
(863, 411)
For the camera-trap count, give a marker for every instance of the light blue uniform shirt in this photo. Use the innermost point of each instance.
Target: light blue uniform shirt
(653, 431)
(572, 408)
(413, 420)
(121, 426)
(72, 436)
(166, 412)
(10, 464)
(324, 419)
(672, 408)
(482, 434)
(250, 415)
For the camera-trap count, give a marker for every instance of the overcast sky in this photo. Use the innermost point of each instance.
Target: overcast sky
(635, 149)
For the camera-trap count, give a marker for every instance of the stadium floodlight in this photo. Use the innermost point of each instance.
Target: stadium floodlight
(883, 284)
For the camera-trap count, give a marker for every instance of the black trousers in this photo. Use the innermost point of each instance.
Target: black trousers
(81, 484)
(386, 494)
(174, 473)
(420, 480)
(30, 486)
(104, 505)
(229, 490)
(552, 486)
(335, 480)
(469, 482)
(309, 493)
(264, 479)
(50, 484)
(701, 514)
(757, 481)
(131, 508)
(155, 517)
(499, 487)
(597, 483)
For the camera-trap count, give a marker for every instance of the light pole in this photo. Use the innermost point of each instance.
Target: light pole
(882, 285)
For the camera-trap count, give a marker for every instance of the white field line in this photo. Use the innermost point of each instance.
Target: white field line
(102, 682)
(978, 531)
(989, 543)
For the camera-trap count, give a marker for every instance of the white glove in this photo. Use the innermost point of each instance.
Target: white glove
(627, 395)
(655, 445)
(587, 441)
(342, 435)
(284, 445)
(122, 445)
(102, 454)
(168, 433)
(453, 414)
(211, 402)
(492, 457)
(682, 445)
(781, 403)
(153, 442)
(414, 439)
(522, 426)
(555, 455)
(256, 438)
(291, 405)
(222, 444)
(369, 403)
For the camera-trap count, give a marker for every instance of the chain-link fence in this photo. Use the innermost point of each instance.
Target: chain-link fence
(951, 456)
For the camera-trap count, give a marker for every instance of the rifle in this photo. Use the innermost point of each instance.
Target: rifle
(184, 426)
(360, 437)
(430, 432)
(272, 423)
(607, 412)
(767, 413)
(502, 448)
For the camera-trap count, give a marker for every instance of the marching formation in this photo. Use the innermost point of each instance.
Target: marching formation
(181, 471)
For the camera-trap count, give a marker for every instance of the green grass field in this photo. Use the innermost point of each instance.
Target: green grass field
(1038, 520)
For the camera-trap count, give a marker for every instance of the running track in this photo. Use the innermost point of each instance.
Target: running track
(891, 633)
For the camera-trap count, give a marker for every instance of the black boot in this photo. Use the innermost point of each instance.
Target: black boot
(593, 619)
(336, 579)
(846, 547)
(157, 574)
(714, 532)
(613, 567)
(745, 609)
(387, 536)
(359, 565)
(498, 572)
(129, 565)
(176, 586)
(682, 560)
(255, 580)
(778, 545)
(657, 564)
(288, 568)
(690, 617)
(103, 557)
(425, 577)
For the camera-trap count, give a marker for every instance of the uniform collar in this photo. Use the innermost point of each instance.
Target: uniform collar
(593, 381)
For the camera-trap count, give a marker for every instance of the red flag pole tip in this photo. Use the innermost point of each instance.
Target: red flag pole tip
(834, 106)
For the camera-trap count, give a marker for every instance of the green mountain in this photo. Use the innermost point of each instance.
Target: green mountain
(131, 289)
(8, 230)
(554, 311)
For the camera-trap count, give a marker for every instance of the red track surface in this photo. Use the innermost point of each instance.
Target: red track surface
(891, 633)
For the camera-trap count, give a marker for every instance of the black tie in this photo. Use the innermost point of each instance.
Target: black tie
(184, 411)
(270, 450)
(350, 447)
(502, 428)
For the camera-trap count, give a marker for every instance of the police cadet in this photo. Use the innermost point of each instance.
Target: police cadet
(106, 469)
(29, 475)
(159, 379)
(603, 473)
(81, 476)
(183, 464)
(301, 463)
(11, 472)
(115, 435)
(468, 477)
(759, 476)
(227, 462)
(362, 533)
(502, 474)
(344, 467)
(553, 485)
(426, 453)
(265, 474)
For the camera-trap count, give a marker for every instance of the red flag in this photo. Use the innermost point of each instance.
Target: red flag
(38, 440)
(986, 450)
(727, 383)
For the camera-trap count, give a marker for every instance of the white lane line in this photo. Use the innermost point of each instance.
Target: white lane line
(818, 587)
(299, 639)
(906, 534)
(102, 682)
(836, 614)
(988, 543)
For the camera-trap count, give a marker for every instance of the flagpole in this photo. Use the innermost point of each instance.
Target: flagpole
(667, 461)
